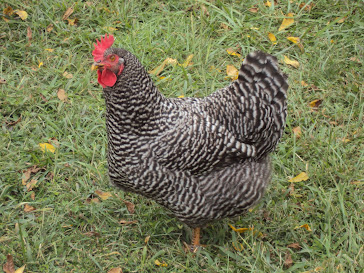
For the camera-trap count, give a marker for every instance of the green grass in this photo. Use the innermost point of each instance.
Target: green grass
(56, 236)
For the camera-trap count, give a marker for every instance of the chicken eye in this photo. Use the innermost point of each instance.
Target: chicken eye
(112, 58)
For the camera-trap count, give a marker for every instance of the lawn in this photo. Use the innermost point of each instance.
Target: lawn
(58, 212)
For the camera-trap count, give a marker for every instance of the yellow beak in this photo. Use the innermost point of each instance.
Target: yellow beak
(96, 66)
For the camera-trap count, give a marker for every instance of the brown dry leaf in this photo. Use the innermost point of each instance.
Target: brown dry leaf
(232, 52)
(305, 226)
(293, 63)
(67, 75)
(158, 263)
(29, 33)
(300, 177)
(288, 262)
(130, 206)
(308, 7)
(62, 95)
(146, 240)
(294, 245)
(9, 267)
(72, 22)
(49, 49)
(297, 131)
(253, 9)
(47, 147)
(30, 185)
(92, 234)
(232, 72)
(126, 222)
(224, 26)
(28, 208)
(205, 11)
(103, 195)
(115, 270)
(12, 123)
(303, 83)
(92, 200)
(315, 103)
(22, 14)
(355, 59)
(8, 11)
(5, 19)
(156, 71)
(341, 20)
(187, 62)
(32, 196)
(287, 22)
(67, 14)
(272, 38)
(2, 81)
(49, 28)
(27, 173)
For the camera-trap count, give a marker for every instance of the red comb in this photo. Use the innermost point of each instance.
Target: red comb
(101, 46)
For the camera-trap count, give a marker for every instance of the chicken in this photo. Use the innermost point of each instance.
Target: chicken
(202, 158)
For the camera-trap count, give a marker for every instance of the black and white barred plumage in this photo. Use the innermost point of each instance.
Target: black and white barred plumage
(202, 158)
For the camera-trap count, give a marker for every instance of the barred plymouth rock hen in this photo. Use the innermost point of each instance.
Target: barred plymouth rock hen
(202, 158)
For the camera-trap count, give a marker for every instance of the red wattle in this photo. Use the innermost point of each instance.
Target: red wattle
(106, 78)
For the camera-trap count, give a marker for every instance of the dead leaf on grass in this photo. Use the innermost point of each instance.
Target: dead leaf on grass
(130, 206)
(158, 263)
(253, 9)
(27, 173)
(62, 95)
(288, 262)
(22, 14)
(300, 177)
(28, 208)
(92, 200)
(115, 270)
(8, 11)
(92, 234)
(305, 226)
(232, 72)
(287, 22)
(29, 34)
(297, 131)
(67, 14)
(49, 28)
(272, 38)
(126, 222)
(30, 185)
(72, 22)
(67, 75)
(156, 71)
(103, 195)
(294, 245)
(46, 147)
(315, 103)
(293, 63)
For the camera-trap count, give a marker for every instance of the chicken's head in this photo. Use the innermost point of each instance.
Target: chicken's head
(108, 62)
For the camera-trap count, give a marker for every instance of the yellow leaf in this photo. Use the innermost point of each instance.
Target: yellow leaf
(49, 28)
(156, 71)
(182, 96)
(239, 248)
(231, 52)
(5, 19)
(31, 184)
(268, 4)
(22, 14)
(232, 72)
(8, 11)
(294, 40)
(287, 22)
(272, 38)
(103, 195)
(40, 64)
(158, 263)
(146, 240)
(187, 62)
(47, 147)
(115, 270)
(72, 22)
(20, 269)
(315, 103)
(67, 75)
(28, 208)
(242, 230)
(300, 177)
(303, 83)
(341, 20)
(67, 14)
(110, 29)
(293, 63)
(49, 49)
(297, 131)
(306, 226)
(62, 95)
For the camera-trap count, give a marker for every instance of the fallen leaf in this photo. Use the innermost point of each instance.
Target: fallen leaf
(49, 28)
(47, 147)
(9, 267)
(40, 64)
(297, 131)
(287, 22)
(130, 206)
(238, 248)
(49, 49)
(5, 19)
(29, 33)
(187, 62)
(306, 226)
(242, 230)
(146, 240)
(158, 263)
(12, 123)
(272, 38)
(67, 75)
(268, 4)
(2, 81)
(288, 262)
(103, 195)
(20, 269)
(115, 270)
(30, 185)
(357, 183)
(253, 10)
(156, 71)
(294, 245)
(67, 14)
(303, 83)
(92, 200)
(126, 222)
(92, 234)
(43, 97)
(72, 22)
(293, 63)
(32, 196)
(180, 97)
(345, 140)
(22, 14)
(232, 72)
(28, 208)
(110, 29)
(341, 20)
(224, 26)
(205, 11)
(315, 103)
(27, 173)
(8, 11)
(307, 7)
(231, 52)
(300, 177)
(355, 59)
(62, 95)
(296, 40)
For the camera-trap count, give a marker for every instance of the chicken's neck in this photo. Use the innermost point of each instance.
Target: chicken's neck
(134, 106)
